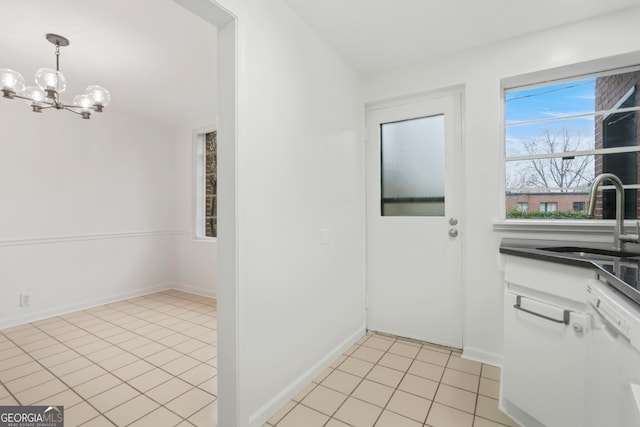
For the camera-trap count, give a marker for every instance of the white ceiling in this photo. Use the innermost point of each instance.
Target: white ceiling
(157, 59)
(378, 35)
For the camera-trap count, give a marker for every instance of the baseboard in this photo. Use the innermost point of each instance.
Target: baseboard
(515, 413)
(84, 305)
(400, 334)
(195, 290)
(482, 356)
(259, 417)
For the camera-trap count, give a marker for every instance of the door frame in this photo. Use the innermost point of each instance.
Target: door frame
(231, 410)
(455, 91)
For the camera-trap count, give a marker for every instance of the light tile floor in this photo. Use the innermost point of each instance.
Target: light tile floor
(152, 361)
(147, 361)
(385, 381)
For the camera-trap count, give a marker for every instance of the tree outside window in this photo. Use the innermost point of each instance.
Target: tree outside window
(211, 184)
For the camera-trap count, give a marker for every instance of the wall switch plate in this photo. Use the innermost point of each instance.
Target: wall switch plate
(324, 236)
(25, 300)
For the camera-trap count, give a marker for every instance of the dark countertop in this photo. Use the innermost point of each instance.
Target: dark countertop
(622, 274)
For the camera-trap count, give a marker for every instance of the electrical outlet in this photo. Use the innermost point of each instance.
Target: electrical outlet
(25, 300)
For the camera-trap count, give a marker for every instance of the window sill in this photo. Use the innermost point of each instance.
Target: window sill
(592, 227)
(205, 239)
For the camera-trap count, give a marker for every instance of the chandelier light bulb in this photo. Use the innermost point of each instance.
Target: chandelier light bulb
(100, 97)
(83, 101)
(11, 80)
(35, 97)
(50, 79)
(35, 94)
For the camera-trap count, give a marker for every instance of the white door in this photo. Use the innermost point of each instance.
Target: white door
(414, 254)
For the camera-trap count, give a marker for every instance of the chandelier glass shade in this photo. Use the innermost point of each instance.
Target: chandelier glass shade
(50, 84)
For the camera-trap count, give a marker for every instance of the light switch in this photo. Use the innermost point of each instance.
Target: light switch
(324, 236)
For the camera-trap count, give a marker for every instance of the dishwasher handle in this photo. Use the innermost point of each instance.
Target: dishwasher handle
(565, 317)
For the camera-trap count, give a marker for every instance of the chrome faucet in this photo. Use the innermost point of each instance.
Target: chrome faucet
(619, 238)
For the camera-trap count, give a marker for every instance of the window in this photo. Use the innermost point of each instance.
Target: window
(412, 167)
(206, 188)
(559, 136)
(522, 207)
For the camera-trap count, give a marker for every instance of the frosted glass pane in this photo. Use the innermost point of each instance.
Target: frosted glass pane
(413, 167)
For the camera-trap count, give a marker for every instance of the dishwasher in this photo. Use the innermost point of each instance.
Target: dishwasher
(613, 363)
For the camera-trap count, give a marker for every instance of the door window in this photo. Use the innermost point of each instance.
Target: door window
(412, 167)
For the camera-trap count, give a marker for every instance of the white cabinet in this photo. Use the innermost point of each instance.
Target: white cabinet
(544, 368)
(544, 362)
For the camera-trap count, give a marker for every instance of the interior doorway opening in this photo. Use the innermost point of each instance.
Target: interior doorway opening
(228, 375)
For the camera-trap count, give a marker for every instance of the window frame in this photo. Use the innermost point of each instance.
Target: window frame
(593, 69)
(547, 205)
(198, 159)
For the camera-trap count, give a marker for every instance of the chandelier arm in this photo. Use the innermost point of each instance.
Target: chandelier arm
(69, 108)
(84, 114)
(21, 97)
(73, 108)
(43, 104)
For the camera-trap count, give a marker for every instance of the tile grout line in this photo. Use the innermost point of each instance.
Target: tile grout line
(161, 405)
(418, 344)
(362, 380)
(48, 332)
(48, 370)
(143, 359)
(444, 369)
(129, 351)
(320, 383)
(404, 374)
(393, 342)
(3, 385)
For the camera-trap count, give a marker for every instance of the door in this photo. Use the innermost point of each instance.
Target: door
(414, 254)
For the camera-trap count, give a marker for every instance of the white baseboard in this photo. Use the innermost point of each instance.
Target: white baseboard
(83, 305)
(209, 293)
(259, 417)
(482, 356)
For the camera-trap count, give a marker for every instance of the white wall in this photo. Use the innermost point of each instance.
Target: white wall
(481, 72)
(195, 259)
(290, 305)
(300, 169)
(86, 210)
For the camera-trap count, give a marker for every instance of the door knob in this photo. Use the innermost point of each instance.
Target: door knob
(453, 232)
(453, 221)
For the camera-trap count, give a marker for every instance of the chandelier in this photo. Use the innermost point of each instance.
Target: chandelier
(51, 83)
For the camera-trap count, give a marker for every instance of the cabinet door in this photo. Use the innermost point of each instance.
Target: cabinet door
(544, 362)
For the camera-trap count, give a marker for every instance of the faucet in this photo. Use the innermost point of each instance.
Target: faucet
(619, 238)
